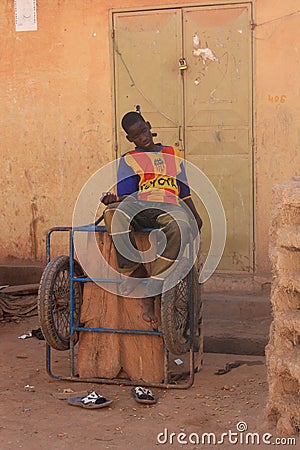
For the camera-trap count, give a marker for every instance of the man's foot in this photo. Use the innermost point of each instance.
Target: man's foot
(148, 310)
(128, 285)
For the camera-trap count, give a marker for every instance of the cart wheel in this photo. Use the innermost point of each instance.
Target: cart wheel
(175, 315)
(54, 302)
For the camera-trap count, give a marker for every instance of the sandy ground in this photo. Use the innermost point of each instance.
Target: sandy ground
(38, 419)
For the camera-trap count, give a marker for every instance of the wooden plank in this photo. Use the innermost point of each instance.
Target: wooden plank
(99, 353)
(22, 289)
(138, 357)
(142, 356)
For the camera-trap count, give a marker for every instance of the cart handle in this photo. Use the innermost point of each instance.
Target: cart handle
(99, 220)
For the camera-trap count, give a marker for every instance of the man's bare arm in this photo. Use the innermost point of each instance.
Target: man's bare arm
(192, 207)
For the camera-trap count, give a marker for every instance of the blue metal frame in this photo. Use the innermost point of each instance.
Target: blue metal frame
(96, 228)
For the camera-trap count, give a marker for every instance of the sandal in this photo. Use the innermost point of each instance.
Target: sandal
(91, 401)
(142, 395)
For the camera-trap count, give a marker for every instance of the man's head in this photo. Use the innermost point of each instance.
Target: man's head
(138, 130)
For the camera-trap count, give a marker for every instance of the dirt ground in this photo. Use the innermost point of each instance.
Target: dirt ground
(36, 418)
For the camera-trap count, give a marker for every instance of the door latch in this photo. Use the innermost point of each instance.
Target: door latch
(182, 64)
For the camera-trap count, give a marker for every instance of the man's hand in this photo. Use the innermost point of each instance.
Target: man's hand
(108, 197)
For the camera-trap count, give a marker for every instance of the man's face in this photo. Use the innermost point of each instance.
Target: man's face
(140, 134)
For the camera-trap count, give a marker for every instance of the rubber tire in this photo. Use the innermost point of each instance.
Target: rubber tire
(46, 302)
(179, 343)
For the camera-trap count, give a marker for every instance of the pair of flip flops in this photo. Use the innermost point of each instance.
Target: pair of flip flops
(96, 401)
(90, 401)
(143, 395)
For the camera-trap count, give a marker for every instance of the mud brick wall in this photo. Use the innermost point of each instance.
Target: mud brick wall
(283, 349)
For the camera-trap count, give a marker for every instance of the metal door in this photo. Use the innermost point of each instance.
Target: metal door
(147, 46)
(218, 117)
(205, 109)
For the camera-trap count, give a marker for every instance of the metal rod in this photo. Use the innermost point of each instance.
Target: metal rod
(99, 220)
(72, 304)
(48, 362)
(105, 280)
(125, 382)
(119, 331)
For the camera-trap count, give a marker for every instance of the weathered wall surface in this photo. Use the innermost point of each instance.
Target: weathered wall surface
(55, 118)
(277, 125)
(283, 349)
(56, 113)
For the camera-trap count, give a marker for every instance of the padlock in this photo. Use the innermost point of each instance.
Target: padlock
(182, 64)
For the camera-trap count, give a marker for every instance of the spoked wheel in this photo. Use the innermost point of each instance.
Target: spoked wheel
(54, 302)
(175, 315)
